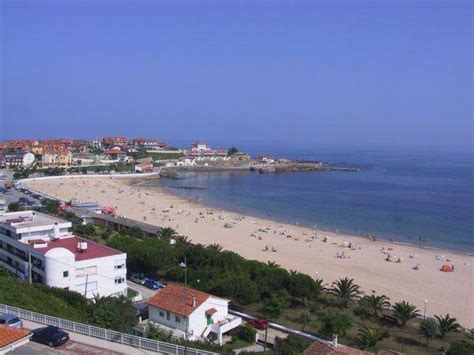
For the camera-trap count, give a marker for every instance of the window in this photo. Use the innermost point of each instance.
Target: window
(91, 270)
(168, 316)
(119, 280)
(177, 319)
(65, 273)
(119, 266)
(162, 314)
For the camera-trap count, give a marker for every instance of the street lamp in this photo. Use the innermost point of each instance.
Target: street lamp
(184, 265)
(424, 312)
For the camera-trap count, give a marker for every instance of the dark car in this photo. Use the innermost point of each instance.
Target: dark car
(152, 284)
(10, 320)
(51, 336)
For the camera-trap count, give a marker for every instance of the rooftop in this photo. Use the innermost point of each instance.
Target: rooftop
(9, 335)
(318, 348)
(94, 250)
(28, 219)
(127, 222)
(171, 298)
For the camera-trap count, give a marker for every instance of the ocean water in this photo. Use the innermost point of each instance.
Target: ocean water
(403, 193)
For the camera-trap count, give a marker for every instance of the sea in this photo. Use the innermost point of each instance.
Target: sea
(400, 193)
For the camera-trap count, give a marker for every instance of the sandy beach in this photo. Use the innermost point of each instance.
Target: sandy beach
(402, 272)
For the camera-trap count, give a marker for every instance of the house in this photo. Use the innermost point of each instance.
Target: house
(202, 152)
(148, 144)
(3, 205)
(144, 167)
(79, 147)
(174, 305)
(56, 156)
(12, 338)
(40, 248)
(19, 158)
(116, 154)
(114, 141)
(2, 160)
(182, 162)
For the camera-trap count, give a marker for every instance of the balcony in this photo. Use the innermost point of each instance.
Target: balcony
(228, 323)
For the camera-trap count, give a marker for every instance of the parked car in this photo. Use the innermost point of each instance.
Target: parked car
(51, 336)
(152, 284)
(138, 278)
(257, 323)
(11, 320)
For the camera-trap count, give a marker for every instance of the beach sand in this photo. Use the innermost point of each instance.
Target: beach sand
(295, 248)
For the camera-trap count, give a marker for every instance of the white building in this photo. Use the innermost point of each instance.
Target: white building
(41, 248)
(205, 313)
(19, 159)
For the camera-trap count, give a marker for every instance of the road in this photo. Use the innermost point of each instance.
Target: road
(71, 347)
(79, 344)
(146, 292)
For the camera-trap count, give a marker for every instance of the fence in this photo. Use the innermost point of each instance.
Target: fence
(101, 333)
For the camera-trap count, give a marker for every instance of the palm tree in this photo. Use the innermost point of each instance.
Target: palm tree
(446, 324)
(404, 311)
(273, 265)
(182, 240)
(371, 336)
(272, 309)
(345, 289)
(376, 303)
(429, 328)
(167, 233)
(214, 247)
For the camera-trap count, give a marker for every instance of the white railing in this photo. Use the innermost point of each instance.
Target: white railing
(101, 333)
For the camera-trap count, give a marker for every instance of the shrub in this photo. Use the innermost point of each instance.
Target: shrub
(336, 322)
(247, 333)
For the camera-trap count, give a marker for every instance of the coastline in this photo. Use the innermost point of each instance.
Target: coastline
(273, 218)
(296, 247)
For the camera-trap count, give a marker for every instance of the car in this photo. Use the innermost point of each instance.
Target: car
(257, 323)
(11, 320)
(50, 335)
(138, 278)
(152, 284)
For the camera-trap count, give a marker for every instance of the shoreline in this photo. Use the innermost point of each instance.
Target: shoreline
(167, 190)
(386, 267)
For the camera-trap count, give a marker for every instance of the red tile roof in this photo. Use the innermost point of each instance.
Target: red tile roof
(211, 311)
(115, 151)
(171, 299)
(318, 348)
(10, 335)
(94, 250)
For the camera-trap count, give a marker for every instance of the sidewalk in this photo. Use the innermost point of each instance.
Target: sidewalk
(96, 342)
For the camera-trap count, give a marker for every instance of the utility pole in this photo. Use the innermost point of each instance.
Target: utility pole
(87, 277)
(185, 266)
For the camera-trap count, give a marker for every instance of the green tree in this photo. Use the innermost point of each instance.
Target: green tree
(247, 333)
(370, 336)
(114, 313)
(429, 329)
(404, 311)
(15, 207)
(345, 289)
(291, 345)
(376, 303)
(446, 324)
(305, 319)
(232, 151)
(336, 322)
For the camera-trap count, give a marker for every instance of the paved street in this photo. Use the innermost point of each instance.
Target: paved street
(80, 344)
(146, 292)
(71, 347)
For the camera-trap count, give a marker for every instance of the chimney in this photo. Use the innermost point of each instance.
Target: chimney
(56, 231)
(334, 340)
(194, 301)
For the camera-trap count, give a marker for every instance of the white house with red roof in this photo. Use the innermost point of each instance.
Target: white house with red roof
(200, 151)
(174, 304)
(40, 248)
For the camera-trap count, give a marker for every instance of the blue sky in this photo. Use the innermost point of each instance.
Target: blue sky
(392, 72)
